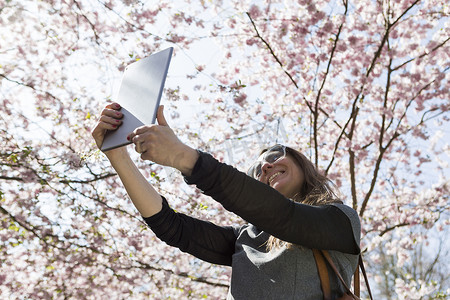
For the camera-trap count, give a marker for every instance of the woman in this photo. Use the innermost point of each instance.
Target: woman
(289, 206)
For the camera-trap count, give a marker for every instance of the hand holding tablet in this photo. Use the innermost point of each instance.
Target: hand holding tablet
(139, 96)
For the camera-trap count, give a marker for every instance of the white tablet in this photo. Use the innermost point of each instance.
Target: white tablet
(139, 96)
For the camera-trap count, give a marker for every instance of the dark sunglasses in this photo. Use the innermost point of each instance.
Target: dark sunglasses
(271, 155)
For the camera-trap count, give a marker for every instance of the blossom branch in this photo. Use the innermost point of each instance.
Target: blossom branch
(94, 30)
(95, 178)
(271, 50)
(389, 26)
(422, 55)
(319, 92)
(381, 149)
(388, 229)
(70, 245)
(28, 85)
(11, 178)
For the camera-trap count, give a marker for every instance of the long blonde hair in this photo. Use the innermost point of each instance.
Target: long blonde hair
(316, 190)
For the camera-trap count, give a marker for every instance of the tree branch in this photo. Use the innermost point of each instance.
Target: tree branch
(271, 50)
(319, 92)
(28, 85)
(133, 25)
(97, 38)
(352, 164)
(11, 178)
(389, 26)
(421, 56)
(96, 178)
(143, 265)
(388, 229)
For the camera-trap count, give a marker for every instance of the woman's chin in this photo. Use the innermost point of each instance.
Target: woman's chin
(280, 188)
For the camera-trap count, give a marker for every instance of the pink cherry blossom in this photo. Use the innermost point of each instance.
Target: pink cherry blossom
(360, 87)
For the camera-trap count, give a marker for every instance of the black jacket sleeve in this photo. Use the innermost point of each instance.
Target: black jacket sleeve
(204, 240)
(323, 227)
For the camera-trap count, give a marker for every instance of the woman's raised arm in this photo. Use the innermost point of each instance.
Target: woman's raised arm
(144, 197)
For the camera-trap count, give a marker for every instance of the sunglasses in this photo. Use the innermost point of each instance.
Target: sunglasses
(270, 156)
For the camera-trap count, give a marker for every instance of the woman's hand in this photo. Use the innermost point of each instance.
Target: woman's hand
(110, 119)
(159, 144)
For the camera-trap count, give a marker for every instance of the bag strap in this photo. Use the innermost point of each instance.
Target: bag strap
(356, 279)
(361, 265)
(333, 266)
(323, 274)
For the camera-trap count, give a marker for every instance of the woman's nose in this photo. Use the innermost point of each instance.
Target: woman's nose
(266, 166)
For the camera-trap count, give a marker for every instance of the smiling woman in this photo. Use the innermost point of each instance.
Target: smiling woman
(302, 182)
(289, 206)
(294, 176)
(279, 170)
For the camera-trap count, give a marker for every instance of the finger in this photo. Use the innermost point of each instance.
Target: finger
(112, 113)
(110, 123)
(160, 116)
(104, 124)
(144, 156)
(139, 148)
(132, 136)
(143, 130)
(113, 105)
(138, 140)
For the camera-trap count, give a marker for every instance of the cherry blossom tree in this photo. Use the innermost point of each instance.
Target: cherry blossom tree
(424, 269)
(361, 87)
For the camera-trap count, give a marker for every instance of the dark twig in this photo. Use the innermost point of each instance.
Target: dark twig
(271, 51)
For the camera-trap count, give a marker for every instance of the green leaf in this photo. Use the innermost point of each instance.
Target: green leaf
(13, 158)
(13, 227)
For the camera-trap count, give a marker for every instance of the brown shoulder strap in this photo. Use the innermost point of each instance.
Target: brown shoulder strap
(323, 274)
(356, 282)
(361, 265)
(333, 266)
(325, 281)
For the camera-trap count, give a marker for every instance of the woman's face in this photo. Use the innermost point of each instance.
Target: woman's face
(284, 175)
